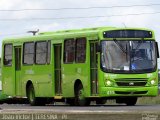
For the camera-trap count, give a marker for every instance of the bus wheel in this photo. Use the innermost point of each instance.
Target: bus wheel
(70, 101)
(131, 101)
(31, 95)
(100, 102)
(32, 99)
(80, 99)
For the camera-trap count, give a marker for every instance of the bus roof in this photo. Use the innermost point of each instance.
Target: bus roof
(68, 33)
(86, 30)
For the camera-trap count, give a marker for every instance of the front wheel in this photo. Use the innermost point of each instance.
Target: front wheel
(80, 99)
(131, 101)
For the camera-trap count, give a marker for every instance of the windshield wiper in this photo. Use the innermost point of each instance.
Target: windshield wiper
(123, 50)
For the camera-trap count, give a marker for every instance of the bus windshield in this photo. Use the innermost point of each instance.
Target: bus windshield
(128, 56)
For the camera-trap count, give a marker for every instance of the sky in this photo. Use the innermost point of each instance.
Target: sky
(19, 16)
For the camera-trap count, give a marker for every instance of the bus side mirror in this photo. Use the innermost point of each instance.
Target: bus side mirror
(157, 50)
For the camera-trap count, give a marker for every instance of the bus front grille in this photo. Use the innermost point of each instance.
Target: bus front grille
(131, 82)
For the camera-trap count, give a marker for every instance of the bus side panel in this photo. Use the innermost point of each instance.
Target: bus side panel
(8, 81)
(76, 71)
(27, 75)
(41, 78)
(68, 78)
(8, 77)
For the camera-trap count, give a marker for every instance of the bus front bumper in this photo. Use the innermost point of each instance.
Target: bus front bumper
(128, 91)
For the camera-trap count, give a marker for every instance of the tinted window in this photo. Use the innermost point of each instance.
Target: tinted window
(80, 50)
(28, 52)
(41, 52)
(8, 54)
(69, 51)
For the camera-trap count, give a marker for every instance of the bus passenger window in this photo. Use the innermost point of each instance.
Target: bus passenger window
(28, 52)
(8, 55)
(69, 51)
(80, 50)
(41, 52)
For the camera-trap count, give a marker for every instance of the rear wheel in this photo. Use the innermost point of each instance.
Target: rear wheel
(80, 99)
(100, 102)
(31, 97)
(70, 101)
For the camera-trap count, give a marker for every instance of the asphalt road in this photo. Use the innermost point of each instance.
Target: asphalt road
(92, 108)
(60, 112)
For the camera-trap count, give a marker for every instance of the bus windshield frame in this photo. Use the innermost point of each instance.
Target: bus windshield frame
(128, 56)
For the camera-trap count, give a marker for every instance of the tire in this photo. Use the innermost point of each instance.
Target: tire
(31, 95)
(80, 99)
(131, 101)
(32, 99)
(71, 102)
(100, 102)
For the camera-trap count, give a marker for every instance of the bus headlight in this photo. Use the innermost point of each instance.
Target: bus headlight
(109, 83)
(153, 82)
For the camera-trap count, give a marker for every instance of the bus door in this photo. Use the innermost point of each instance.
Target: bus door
(57, 68)
(93, 68)
(17, 51)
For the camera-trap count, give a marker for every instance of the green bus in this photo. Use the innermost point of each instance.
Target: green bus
(80, 66)
(3, 97)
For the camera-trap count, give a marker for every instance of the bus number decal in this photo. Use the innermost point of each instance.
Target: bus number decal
(30, 72)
